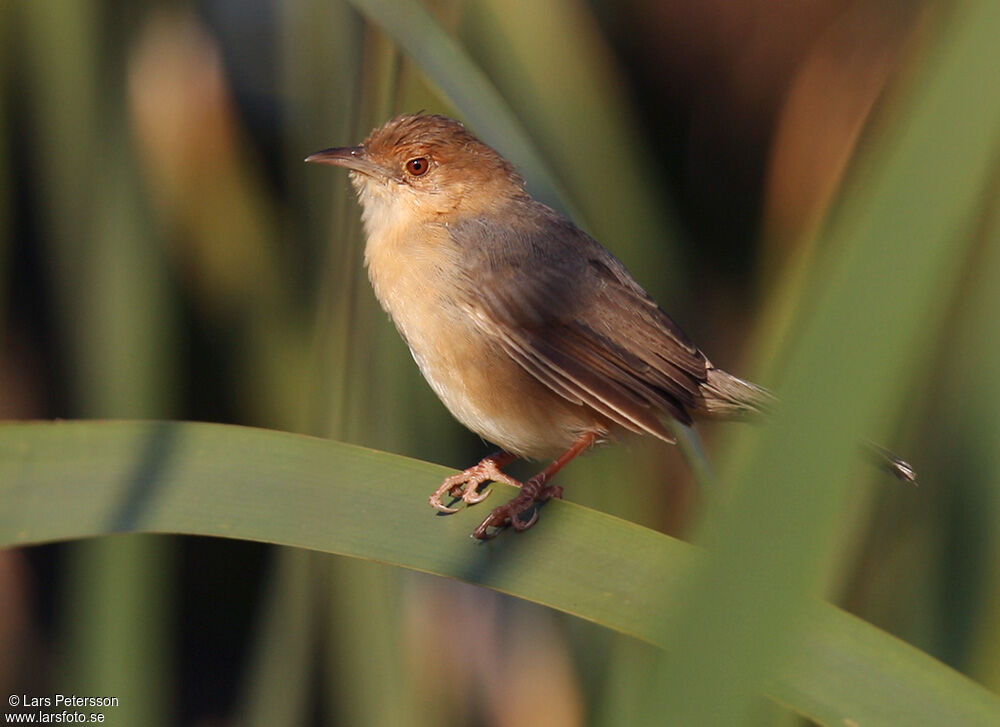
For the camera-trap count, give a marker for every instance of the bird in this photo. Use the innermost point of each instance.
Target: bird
(532, 334)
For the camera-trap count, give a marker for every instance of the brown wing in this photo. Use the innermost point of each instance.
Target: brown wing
(567, 311)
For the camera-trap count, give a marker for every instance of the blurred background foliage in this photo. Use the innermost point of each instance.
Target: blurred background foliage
(166, 254)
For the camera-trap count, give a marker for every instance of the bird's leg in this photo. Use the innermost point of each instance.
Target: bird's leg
(465, 485)
(533, 491)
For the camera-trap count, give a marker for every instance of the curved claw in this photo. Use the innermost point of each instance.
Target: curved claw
(435, 501)
(509, 514)
(521, 525)
(466, 490)
(471, 495)
(482, 535)
(465, 485)
(462, 486)
(483, 531)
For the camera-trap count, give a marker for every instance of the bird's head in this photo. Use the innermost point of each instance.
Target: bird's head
(426, 167)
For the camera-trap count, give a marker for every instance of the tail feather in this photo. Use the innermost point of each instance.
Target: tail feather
(725, 396)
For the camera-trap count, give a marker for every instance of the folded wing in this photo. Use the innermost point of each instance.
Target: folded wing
(569, 313)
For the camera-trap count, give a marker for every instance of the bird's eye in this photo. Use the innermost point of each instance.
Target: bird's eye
(418, 166)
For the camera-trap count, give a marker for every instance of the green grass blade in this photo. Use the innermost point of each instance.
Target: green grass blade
(278, 687)
(895, 251)
(69, 480)
(846, 672)
(464, 84)
(587, 128)
(111, 306)
(976, 407)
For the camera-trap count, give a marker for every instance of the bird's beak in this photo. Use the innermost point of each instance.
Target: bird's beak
(351, 157)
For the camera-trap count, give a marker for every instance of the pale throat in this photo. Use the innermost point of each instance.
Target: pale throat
(401, 250)
(388, 207)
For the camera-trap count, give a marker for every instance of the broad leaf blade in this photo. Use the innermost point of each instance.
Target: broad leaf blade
(66, 480)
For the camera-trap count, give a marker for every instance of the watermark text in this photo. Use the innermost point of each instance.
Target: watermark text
(58, 709)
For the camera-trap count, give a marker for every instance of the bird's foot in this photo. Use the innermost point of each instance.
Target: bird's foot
(533, 493)
(465, 485)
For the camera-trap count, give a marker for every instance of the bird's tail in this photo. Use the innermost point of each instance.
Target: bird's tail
(724, 396)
